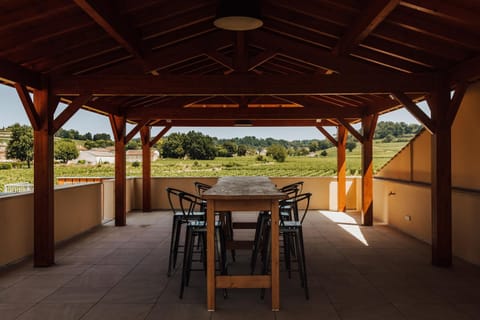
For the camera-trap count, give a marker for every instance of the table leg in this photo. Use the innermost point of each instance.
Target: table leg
(275, 257)
(211, 255)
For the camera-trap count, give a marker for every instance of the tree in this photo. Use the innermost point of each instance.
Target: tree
(134, 144)
(231, 147)
(101, 136)
(242, 150)
(199, 146)
(65, 150)
(172, 146)
(350, 145)
(20, 145)
(277, 152)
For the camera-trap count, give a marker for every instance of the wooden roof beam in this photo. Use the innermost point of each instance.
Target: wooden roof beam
(18, 74)
(230, 123)
(242, 84)
(240, 113)
(374, 13)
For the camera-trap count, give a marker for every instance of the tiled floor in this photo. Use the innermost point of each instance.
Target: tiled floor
(354, 273)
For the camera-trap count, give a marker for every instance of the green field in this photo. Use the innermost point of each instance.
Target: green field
(245, 166)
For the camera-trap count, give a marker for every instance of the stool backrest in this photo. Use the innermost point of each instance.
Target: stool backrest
(190, 203)
(173, 195)
(299, 204)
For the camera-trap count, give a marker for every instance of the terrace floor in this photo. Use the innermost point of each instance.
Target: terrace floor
(354, 273)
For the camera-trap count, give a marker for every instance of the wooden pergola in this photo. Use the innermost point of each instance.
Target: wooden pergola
(312, 63)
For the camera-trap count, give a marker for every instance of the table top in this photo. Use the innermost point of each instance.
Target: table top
(243, 188)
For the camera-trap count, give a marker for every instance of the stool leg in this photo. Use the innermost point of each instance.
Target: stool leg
(301, 251)
(174, 244)
(186, 260)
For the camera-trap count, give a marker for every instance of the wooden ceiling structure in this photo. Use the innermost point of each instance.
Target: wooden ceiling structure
(312, 63)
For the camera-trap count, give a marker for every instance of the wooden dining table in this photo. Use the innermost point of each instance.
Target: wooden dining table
(243, 194)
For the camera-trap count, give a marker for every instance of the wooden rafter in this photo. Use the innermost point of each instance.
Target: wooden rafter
(310, 54)
(221, 59)
(261, 58)
(113, 24)
(367, 21)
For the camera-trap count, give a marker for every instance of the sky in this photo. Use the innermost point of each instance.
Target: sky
(11, 111)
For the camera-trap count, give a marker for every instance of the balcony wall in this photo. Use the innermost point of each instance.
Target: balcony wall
(402, 196)
(80, 207)
(77, 209)
(324, 190)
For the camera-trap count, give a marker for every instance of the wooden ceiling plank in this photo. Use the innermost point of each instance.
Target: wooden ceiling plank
(433, 27)
(468, 71)
(18, 74)
(419, 41)
(448, 11)
(366, 22)
(71, 109)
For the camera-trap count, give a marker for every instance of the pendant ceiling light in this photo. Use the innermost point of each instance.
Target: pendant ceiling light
(238, 15)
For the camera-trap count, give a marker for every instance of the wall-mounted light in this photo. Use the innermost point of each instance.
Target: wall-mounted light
(238, 15)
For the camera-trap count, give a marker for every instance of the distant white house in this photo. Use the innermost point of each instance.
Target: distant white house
(96, 156)
(104, 156)
(136, 155)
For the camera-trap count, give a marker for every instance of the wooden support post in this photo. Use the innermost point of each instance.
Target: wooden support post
(442, 117)
(341, 169)
(146, 169)
(41, 111)
(43, 201)
(368, 123)
(118, 124)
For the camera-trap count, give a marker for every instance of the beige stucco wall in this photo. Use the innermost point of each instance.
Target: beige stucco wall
(394, 200)
(16, 227)
(76, 209)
